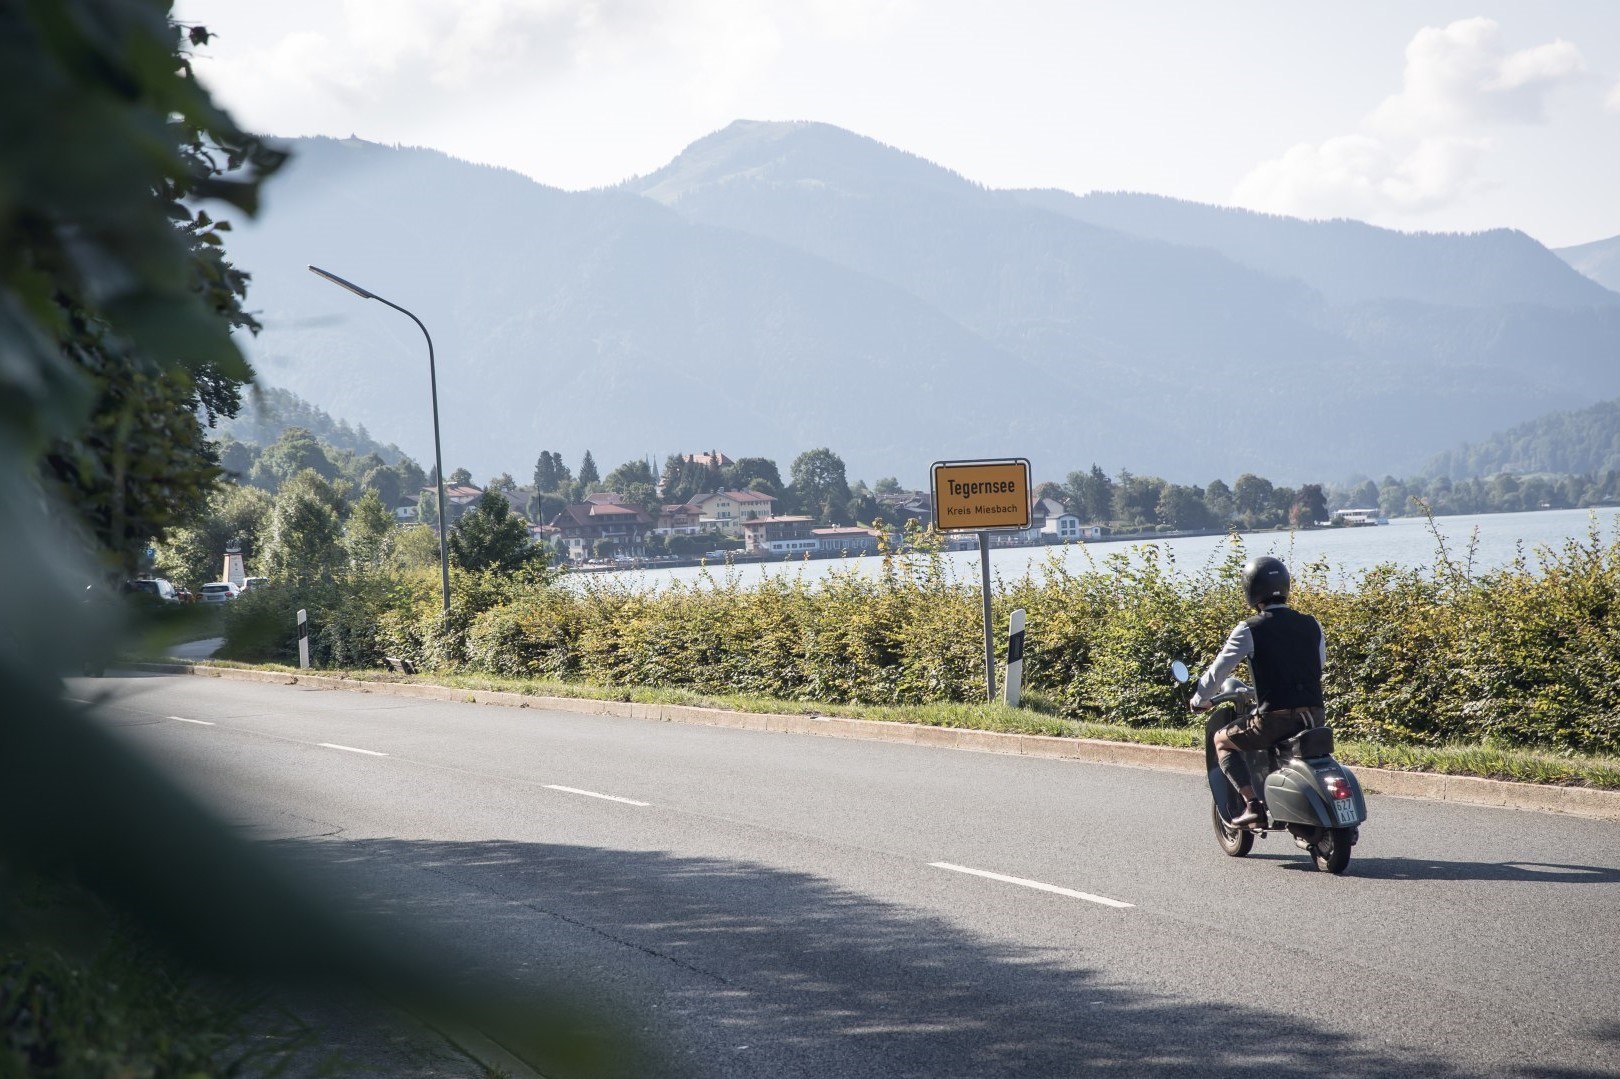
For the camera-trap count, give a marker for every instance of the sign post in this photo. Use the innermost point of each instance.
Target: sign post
(982, 496)
(303, 637)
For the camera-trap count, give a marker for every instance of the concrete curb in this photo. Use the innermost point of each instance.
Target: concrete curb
(1464, 790)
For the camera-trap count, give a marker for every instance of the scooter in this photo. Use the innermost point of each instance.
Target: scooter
(1307, 793)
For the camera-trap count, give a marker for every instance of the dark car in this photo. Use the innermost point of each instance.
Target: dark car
(156, 587)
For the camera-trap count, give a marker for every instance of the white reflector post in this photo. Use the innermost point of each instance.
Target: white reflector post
(303, 637)
(1015, 658)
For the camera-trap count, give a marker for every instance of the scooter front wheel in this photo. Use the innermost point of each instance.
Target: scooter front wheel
(1331, 852)
(1233, 840)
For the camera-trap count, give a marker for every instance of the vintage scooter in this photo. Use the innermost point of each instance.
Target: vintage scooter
(1307, 793)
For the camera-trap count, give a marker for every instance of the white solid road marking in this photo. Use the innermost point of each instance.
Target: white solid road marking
(350, 749)
(78, 700)
(593, 794)
(1071, 893)
(198, 722)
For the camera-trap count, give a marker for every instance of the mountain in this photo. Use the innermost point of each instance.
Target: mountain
(597, 321)
(1599, 260)
(1584, 441)
(779, 287)
(1349, 262)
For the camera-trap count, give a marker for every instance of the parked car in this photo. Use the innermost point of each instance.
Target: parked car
(254, 582)
(183, 594)
(218, 592)
(156, 587)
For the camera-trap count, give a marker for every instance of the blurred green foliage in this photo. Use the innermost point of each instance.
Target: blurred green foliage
(117, 308)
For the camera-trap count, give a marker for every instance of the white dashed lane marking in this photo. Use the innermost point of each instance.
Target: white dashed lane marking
(1037, 885)
(350, 749)
(593, 794)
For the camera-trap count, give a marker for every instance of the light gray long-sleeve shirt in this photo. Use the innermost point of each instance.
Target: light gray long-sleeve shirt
(1239, 646)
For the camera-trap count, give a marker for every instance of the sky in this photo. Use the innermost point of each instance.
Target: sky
(1410, 114)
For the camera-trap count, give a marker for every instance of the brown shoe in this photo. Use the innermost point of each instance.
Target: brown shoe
(1254, 815)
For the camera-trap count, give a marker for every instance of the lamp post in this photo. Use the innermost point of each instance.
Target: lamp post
(433, 384)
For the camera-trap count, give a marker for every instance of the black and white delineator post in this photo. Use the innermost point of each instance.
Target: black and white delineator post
(1015, 658)
(303, 637)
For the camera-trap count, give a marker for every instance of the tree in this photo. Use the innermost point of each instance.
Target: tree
(391, 486)
(193, 553)
(819, 483)
(414, 547)
(461, 478)
(427, 507)
(629, 473)
(862, 509)
(292, 453)
(1218, 497)
(1183, 508)
(1311, 504)
(886, 485)
(544, 508)
(304, 540)
(491, 537)
(684, 479)
(1251, 497)
(587, 471)
(503, 483)
(1136, 499)
(1092, 495)
(369, 532)
(746, 472)
(119, 302)
(550, 474)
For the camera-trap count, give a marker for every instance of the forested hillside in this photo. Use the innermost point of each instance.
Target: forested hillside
(268, 411)
(1585, 441)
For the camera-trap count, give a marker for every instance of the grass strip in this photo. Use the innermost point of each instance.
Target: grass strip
(1037, 717)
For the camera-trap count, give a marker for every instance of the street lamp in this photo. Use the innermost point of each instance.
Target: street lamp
(433, 384)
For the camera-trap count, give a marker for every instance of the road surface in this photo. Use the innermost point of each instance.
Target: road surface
(757, 904)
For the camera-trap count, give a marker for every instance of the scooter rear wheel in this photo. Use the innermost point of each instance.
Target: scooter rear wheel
(1234, 841)
(1331, 852)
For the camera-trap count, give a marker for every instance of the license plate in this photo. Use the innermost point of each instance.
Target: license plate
(1344, 809)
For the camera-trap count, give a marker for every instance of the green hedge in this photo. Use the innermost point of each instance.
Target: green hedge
(1522, 656)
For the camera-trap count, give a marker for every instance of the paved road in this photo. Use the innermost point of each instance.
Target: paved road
(779, 905)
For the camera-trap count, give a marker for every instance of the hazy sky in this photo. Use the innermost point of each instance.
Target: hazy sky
(1407, 113)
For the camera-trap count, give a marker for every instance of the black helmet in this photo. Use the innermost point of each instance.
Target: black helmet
(1265, 580)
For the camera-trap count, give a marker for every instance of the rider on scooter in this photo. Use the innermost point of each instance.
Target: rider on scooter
(1286, 651)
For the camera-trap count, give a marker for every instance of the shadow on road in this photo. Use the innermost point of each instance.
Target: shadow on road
(768, 972)
(1435, 869)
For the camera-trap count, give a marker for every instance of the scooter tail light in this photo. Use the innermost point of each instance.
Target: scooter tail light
(1337, 787)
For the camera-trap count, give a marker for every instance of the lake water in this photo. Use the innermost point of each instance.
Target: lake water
(1405, 541)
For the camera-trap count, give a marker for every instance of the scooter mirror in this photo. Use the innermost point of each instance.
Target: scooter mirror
(1178, 670)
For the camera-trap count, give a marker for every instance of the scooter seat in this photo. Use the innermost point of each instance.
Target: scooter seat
(1311, 742)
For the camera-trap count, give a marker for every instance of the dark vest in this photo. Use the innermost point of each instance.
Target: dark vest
(1287, 660)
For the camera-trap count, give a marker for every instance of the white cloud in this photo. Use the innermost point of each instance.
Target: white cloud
(1422, 147)
(362, 63)
(1612, 102)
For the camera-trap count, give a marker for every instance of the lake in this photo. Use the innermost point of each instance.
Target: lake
(1405, 541)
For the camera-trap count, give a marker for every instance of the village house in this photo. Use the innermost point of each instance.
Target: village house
(678, 519)
(725, 511)
(458, 499)
(1058, 525)
(779, 535)
(846, 540)
(712, 459)
(600, 517)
